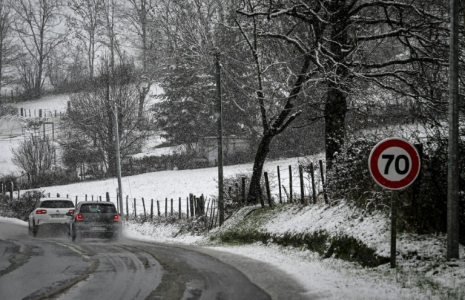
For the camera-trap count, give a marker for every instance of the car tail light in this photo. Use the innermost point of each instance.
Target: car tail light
(71, 211)
(79, 217)
(41, 211)
(116, 218)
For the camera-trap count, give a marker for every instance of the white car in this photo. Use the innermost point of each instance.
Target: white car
(50, 212)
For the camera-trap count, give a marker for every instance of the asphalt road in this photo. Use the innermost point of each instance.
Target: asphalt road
(53, 267)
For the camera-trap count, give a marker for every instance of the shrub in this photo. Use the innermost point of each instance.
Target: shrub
(19, 208)
(8, 110)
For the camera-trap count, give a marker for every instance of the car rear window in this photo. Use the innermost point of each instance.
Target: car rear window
(56, 204)
(97, 208)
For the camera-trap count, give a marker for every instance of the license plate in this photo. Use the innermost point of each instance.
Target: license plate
(97, 228)
(57, 216)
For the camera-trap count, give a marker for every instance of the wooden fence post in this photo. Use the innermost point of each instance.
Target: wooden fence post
(191, 204)
(206, 214)
(313, 183)
(143, 204)
(179, 208)
(202, 205)
(279, 185)
(213, 215)
(323, 182)
(166, 207)
(268, 192)
(76, 201)
(302, 186)
(12, 187)
(127, 208)
(196, 208)
(187, 207)
(108, 197)
(244, 201)
(135, 208)
(151, 210)
(290, 183)
(172, 210)
(158, 208)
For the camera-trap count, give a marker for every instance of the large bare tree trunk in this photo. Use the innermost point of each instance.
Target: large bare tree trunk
(259, 162)
(335, 112)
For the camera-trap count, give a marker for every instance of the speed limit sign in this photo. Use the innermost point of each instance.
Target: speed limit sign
(394, 163)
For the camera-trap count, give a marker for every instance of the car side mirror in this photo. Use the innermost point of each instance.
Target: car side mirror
(69, 214)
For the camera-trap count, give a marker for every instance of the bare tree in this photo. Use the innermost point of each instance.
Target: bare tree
(139, 15)
(8, 50)
(111, 35)
(86, 21)
(91, 115)
(67, 69)
(34, 155)
(37, 24)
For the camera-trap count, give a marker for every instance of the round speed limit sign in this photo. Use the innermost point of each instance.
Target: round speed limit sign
(394, 163)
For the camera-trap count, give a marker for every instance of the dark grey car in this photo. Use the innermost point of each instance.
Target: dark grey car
(95, 219)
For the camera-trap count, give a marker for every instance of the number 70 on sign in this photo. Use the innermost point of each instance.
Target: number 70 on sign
(394, 163)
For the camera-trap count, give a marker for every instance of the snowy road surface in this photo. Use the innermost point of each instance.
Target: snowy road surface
(51, 267)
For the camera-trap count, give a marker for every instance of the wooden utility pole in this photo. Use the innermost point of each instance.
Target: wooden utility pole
(453, 167)
(220, 139)
(118, 160)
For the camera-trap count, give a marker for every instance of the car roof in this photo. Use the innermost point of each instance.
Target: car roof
(96, 202)
(54, 198)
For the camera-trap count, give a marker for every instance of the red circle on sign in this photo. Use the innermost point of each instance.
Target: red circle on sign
(414, 159)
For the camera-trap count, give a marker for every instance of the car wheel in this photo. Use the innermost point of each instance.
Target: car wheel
(115, 236)
(35, 229)
(29, 229)
(74, 235)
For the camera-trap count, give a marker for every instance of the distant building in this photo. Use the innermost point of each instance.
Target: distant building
(208, 147)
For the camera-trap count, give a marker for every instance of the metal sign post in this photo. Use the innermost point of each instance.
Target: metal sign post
(394, 164)
(393, 228)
